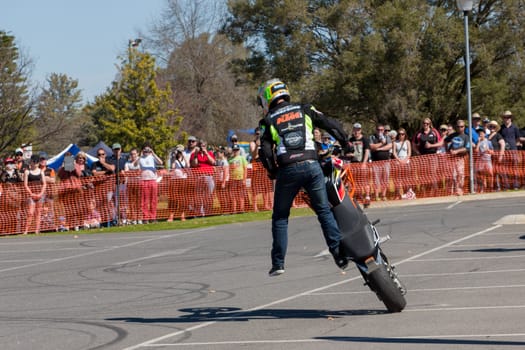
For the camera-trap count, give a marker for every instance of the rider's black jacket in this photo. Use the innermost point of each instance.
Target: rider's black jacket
(288, 138)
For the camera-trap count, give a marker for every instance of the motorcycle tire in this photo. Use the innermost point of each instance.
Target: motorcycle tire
(386, 289)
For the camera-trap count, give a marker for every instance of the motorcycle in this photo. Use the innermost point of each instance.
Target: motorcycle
(361, 240)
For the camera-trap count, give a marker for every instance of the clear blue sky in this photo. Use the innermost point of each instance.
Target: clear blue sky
(79, 38)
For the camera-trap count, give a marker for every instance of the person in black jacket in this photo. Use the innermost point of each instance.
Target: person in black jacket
(289, 154)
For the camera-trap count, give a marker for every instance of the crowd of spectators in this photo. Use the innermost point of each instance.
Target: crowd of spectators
(200, 180)
(125, 188)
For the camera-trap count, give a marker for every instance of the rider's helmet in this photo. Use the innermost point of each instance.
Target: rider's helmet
(271, 91)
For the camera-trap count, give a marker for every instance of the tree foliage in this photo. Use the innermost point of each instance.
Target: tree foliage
(211, 97)
(136, 109)
(388, 61)
(16, 103)
(57, 114)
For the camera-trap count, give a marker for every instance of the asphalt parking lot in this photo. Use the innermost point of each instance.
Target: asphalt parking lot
(460, 258)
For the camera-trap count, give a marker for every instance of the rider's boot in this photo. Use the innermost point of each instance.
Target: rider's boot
(339, 257)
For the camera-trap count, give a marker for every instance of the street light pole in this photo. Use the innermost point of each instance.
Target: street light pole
(466, 7)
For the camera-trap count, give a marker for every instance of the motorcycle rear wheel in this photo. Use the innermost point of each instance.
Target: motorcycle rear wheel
(386, 289)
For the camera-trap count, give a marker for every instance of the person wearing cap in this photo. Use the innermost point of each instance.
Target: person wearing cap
(380, 151)
(35, 186)
(119, 197)
(238, 174)
(10, 174)
(290, 157)
(235, 141)
(188, 151)
(511, 135)
(21, 164)
(483, 162)
(102, 168)
(177, 200)
(132, 171)
(498, 145)
(485, 123)
(360, 154)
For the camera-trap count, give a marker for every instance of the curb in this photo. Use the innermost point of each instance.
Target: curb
(448, 199)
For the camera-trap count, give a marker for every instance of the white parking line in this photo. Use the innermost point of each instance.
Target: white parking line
(502, 257)
(453, 205)
(151, 342)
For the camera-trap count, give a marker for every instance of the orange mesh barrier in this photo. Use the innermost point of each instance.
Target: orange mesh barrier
(91, 201)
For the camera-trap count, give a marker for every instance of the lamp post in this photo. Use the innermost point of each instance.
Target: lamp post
(466, 7)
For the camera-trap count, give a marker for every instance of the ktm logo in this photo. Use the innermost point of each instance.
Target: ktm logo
(287, 117)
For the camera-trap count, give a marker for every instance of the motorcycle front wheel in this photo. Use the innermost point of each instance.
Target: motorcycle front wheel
(382, 283)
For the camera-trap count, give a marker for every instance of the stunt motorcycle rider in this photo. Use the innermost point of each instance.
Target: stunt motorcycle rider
(289, 155)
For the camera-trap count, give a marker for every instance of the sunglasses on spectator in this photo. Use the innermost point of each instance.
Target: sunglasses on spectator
(401, 133)
(443, 129)
(426, 123)
(461, 126)
(101, 154)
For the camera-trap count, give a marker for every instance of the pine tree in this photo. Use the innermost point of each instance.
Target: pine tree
(135, 110)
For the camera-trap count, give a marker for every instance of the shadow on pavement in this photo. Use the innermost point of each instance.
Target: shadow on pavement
(425, 341)
(228, 314)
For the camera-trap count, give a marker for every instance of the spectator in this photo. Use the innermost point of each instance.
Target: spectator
(177, 188)
(132, 175)
(443, 132)
(498, 145)
(444, 168)
(427, 141)
(318, 135)
(511, 135)
(458, 145)
(119, 198)
(21, 164)
(11, 200)
(35, 185)
(72, 195)
(235, 141)
(190, 148)
(476, 124)
(93, 218)
(402, 151)
(360, 155)
(50, 176)
(486, 122)
(484, 172)
(148, 184)
(260, 184)
(380, 147)
(326, 141)
(223, 178)
(105, 188)
(203, 160)
(238, 175)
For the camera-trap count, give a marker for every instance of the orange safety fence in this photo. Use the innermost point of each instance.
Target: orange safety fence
(180, 194)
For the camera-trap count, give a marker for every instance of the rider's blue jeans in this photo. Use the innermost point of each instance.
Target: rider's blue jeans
(290, 179)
